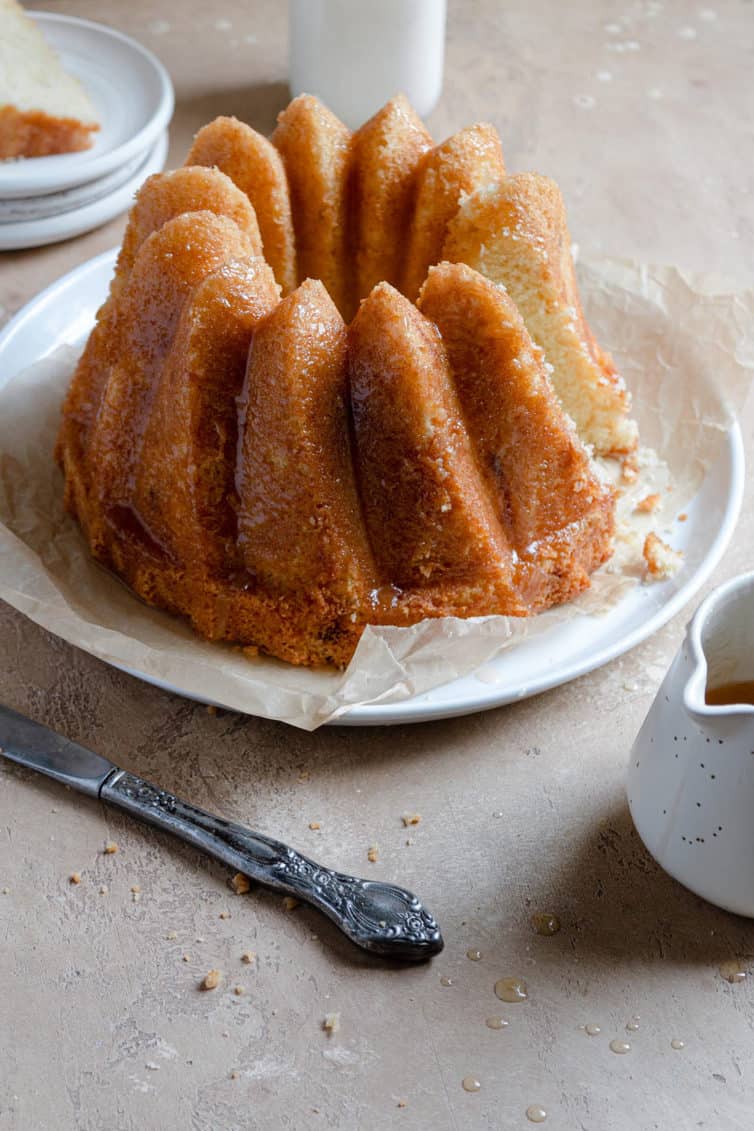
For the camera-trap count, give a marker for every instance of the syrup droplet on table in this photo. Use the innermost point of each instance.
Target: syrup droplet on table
(732, 971)
(536, 1114)
(620, 1046)
(545, 924)
(511, 989)
(496, 1023)
(446, 981)
(676, 1044)
(592, 1030)
(633, 1025)
(474, 955)
(470, 1084)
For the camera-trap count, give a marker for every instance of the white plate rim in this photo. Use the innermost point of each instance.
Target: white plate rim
(23, 180)
(24, 234)
(419, 708)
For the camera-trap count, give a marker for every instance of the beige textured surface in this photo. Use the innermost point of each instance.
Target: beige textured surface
(93, 989)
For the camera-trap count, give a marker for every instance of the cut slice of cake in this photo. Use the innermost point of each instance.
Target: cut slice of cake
(470, 158)
(514, 231)
(255, 166)
(43, 109)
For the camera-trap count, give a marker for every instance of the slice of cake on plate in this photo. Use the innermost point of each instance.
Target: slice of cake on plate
(43, 109)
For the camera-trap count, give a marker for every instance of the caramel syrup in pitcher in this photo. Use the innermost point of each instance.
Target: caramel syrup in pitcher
(729, 694)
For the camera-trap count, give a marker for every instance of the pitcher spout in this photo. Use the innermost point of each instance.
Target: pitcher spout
(720, 650)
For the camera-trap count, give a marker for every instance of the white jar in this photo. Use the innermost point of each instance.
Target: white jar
(356, 54)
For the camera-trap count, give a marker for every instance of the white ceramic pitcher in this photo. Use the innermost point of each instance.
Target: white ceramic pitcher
(691, 774)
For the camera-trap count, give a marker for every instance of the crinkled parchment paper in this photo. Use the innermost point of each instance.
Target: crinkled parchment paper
(687, 352)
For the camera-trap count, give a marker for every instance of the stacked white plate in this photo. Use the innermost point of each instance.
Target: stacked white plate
(47, 199)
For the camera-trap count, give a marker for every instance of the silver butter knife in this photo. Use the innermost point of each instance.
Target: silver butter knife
(381, 918)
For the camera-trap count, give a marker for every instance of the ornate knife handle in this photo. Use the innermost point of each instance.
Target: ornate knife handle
(380, 917)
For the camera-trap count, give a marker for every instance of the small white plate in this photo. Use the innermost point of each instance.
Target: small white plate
(64, 313)
(25, 209)
(75, 220)
(131, 91)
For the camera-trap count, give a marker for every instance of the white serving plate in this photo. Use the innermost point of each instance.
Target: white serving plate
(64, 313)
(131, 91)
(76, 220)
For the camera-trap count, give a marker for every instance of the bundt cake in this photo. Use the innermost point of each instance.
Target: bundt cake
(285, 464)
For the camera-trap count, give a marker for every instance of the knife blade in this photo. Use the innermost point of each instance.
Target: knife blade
(379, 917)
(39, 748)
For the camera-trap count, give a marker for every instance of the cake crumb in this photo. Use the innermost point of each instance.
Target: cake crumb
(239, 991)
(135, 889)
(224, 915)
(304, 775)
(402, 1103)
(682, 517)
(211, 980)
(248, 957)
(75, 878)
(110, 848)
(171, 935)
(315, 826)
(234, 1075)
(373, 854)
(104, 889)
(331, 1023)
(211, 709)
(240, 883)
(630, 469)
(662, 560)
(411, 819)
(289, 903)
(6, 891)
(648, 505)
(186, 958)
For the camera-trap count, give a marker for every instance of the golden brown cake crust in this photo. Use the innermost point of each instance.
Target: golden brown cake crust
(32, 133)
(192, 188)
(316, 150)
(255, 167)
(429, 519)
(557, 514)
(470, 158)
(387, 152)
